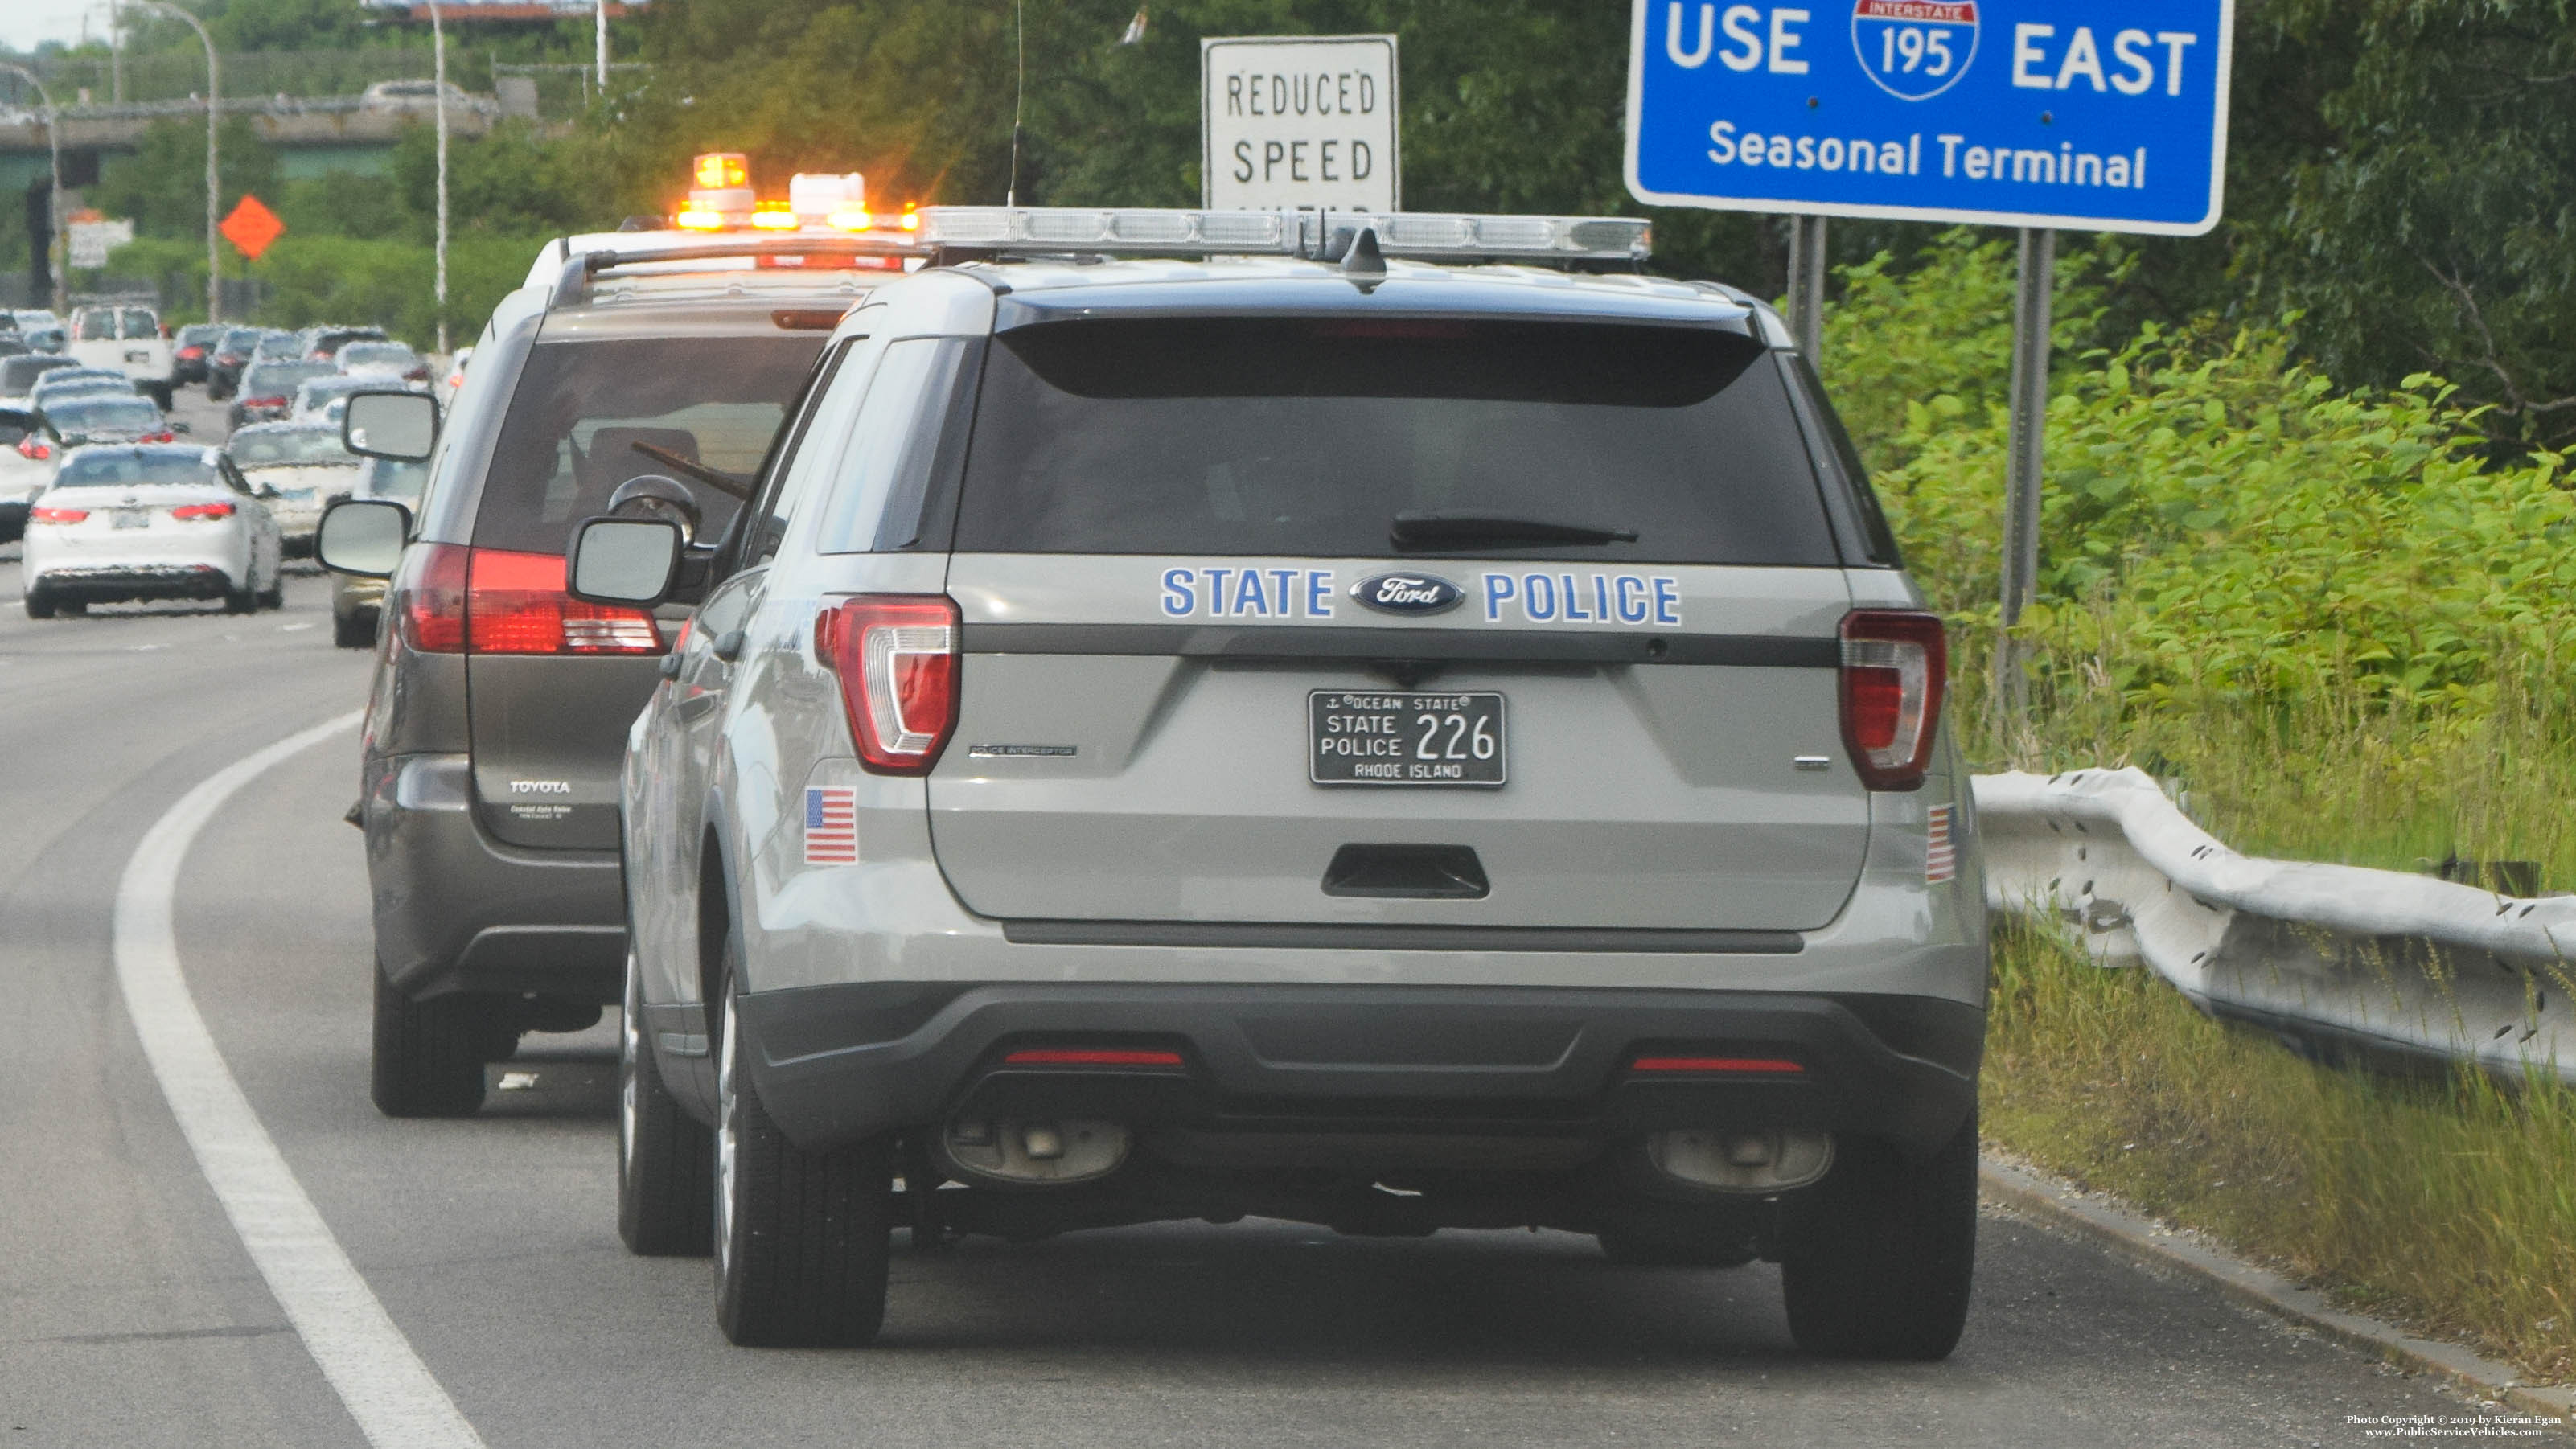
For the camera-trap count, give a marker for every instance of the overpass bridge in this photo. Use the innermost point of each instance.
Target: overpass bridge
(312, 135)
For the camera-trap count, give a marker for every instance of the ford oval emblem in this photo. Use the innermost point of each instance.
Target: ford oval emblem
(1407, 594)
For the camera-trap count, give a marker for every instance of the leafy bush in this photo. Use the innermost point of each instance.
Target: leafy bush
(313, 279)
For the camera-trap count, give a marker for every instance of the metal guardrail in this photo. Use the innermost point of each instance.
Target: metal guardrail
(2343, 962)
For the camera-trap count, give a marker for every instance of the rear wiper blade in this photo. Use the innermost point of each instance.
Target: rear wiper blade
(714, 478)
(1430, 532)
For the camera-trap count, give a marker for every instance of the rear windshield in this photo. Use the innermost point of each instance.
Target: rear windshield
(104, 415)
(283, 449)
(17, 374)
(582, 407)
(373, 354)
(107, 468)
(1308, 437)
(280, 379)
(281, 344)
(240, 339)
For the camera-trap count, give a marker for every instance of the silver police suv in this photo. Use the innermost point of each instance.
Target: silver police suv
(1395, 722)
(636, 374)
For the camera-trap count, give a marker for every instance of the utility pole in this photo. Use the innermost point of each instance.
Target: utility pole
(600, 29)
(115, 53)
(214, 116)
(54, 196)
(438, 47)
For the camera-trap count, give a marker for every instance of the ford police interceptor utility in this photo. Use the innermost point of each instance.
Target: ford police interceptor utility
(1397, 722)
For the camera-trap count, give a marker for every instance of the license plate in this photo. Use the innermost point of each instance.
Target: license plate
(1358, 737)
(133, 518)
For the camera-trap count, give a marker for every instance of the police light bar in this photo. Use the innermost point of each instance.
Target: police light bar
(1324, 236)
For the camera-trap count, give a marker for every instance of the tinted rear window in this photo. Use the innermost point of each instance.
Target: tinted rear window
(104, 415)
(1307, 437)
(581, 407)
(108, 468)
(281, 379)
(17, 374)
(286, 448)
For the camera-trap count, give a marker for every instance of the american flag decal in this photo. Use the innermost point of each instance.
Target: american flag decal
(832, 826)
(1941, 858)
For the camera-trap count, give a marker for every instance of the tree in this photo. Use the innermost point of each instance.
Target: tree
(162, 186)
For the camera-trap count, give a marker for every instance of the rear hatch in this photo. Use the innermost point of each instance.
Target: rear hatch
(1314, 620)
(551, 683)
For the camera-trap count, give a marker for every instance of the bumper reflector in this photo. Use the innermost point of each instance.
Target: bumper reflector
(1741, 1066)
(1090, 1057)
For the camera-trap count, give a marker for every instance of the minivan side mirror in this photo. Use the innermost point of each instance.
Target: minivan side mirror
(625, 562)
(363, 536)
(402, 426)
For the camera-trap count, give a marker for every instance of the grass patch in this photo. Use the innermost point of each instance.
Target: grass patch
(2449, 1204)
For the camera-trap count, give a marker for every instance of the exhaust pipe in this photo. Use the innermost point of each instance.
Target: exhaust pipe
(1770, 1159)
(1043, 1153)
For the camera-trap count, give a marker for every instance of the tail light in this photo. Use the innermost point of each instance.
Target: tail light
(515, 604)
(34, 447)
(449, 599)
(1894, 665)
(897, 656)
(192, 352)
(205, 512)
(57, 515)
(163, 436)
(264, 402)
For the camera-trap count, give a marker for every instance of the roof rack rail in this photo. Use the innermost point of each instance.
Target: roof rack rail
(976, 233)
(581, 267)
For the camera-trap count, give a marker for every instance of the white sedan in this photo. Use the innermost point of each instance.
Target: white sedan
(296, 469)
(149, 521)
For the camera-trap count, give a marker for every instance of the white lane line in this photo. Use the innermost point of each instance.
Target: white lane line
(370, 1365)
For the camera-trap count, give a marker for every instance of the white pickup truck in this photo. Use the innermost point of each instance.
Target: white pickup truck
(126, 337)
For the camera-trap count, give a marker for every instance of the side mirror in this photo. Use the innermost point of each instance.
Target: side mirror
(181, 427)
(402, 426)
(627, 562)
(364, 537)
(267, 490)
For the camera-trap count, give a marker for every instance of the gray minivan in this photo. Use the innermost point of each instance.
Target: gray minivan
(644, 383)
(1396, 722)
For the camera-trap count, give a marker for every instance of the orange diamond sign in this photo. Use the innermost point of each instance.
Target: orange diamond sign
(252, 227)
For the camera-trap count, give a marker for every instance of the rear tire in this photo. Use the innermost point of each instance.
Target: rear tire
(39, 606)
(241, 600)
(665, 1162)
(1882, 1265)
(353, 631)
(274, 596)
(429, 1055)
(802, 1239)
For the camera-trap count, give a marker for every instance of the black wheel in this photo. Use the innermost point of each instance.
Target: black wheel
(429, 1055)
(801, 1238)
(39, 606)
(241, 600)
(665, 1162)
(353, 631)
(76, 608)
(162, 395)
(274, 596)
(1632, 1247)
(1881, 1266)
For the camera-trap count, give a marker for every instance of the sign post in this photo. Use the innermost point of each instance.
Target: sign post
(2040, 115)
(1307, 122)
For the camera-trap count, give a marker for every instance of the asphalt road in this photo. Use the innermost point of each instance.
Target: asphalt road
(130, 1313)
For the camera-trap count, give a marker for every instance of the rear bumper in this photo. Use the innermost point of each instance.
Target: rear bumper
(837, 1063)
(456, 910)
(102, 582)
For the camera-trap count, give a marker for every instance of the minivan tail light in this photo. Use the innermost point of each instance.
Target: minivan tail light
(34, 447)
(897, 656)
(515, 604)
(1895, 662)
(427, 600)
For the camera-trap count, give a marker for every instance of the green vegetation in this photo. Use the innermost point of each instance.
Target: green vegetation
(2445, 1204)
(2345, 625)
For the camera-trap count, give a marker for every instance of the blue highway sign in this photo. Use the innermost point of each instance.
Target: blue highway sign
(2089, 115)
